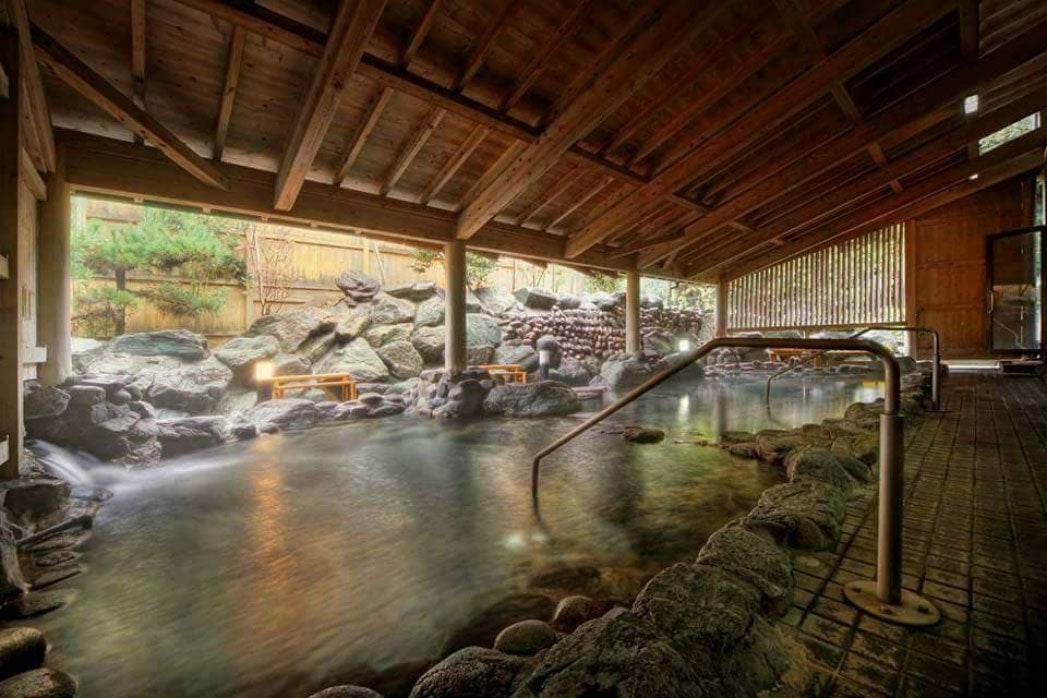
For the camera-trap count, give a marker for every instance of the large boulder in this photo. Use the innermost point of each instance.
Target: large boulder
(293, 328)
(182, 344)
(571, 371)
(388, 310)
(21, 649)
(316, 347)
(43, 401)
(523, 355)
(607, 302)
(418, 291)
(623, 374)
(241, 353)
(495, 301)
(472, 672)
(543, 399)
(39, 683)
(351, 323)
(401, 358)
(430, 312)
(30, 501)
(620, 654)
(378, 335)
(286, 414)
(822, 465)
(178, 436)
(429, 343)
(193, 387)
(357, 359)
(482, 331)
(804, 514)
(535, 298)
(753, 558)
(359, 287)
(85, 350)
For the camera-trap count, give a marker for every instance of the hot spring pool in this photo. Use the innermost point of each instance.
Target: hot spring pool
(283, 565)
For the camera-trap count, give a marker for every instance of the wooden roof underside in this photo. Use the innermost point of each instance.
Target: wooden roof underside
(693, 139)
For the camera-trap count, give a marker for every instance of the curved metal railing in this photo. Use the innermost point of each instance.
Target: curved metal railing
(936, 372)
(888, 583)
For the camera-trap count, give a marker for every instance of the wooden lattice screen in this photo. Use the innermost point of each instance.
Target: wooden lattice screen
(856, 282)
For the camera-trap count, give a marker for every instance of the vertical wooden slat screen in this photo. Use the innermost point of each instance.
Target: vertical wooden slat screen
(856, 282)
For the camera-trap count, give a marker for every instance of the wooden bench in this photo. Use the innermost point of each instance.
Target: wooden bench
(340, 386)
(511, 373)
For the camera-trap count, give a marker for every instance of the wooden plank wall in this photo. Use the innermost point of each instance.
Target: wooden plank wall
(947, 276)
(856, 282)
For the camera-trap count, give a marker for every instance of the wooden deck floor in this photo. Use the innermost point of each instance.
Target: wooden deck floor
(975, 543)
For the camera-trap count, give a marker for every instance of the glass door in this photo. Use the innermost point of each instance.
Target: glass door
(1016, 291)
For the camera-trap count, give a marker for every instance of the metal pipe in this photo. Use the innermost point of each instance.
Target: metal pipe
(889, 548)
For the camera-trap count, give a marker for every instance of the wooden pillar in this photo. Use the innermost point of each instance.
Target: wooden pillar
(633, 343)
(11, 286)
(721, 308)
(55, 327)
(454, 313)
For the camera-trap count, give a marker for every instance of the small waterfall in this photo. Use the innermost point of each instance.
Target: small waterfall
(62, 462)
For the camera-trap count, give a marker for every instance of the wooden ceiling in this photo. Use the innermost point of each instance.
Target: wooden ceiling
(693, 138)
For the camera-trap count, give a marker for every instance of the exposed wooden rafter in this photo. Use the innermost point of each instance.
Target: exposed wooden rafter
(232, 82)
(451, 167)
(39, 133)
(138, 48)
(419, 32)
(411, 149)
(350, 31)
(80, 77)
(675, 26)
(548, 195)
(479, 51)
(363, 131)
(578, 203)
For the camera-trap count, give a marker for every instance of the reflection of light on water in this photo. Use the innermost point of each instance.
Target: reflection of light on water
(683, 411)
(518, 540)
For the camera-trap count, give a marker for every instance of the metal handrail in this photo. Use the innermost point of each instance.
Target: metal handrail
(888, 585)
(936, 371)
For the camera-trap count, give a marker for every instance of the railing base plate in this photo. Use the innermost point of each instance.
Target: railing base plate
(914, 610)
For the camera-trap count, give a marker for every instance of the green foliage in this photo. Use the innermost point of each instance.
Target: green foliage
(423, 260)
(192, 248)
(604, 283)
(478, 268)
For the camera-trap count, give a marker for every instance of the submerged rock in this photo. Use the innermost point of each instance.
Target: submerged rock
(643, 435)
(542, 399)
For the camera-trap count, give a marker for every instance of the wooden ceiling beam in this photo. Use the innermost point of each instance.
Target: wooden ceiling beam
(451, 167)
(138, 48)
(419, 32)
(40, 132)
(363, 131)
(890, 32)
(674, 27)
(480, 50)
(541, 57)
(93, 87)
(232, 82)
(547, 195)
(579, 202)
(105, 167)
(826, 203)
(904, 120)
(1013, 159)
(411, 149)
(350, 31)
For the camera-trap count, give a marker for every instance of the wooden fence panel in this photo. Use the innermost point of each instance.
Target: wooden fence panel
(857, 282)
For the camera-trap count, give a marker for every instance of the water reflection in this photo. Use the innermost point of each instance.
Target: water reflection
(279, 566)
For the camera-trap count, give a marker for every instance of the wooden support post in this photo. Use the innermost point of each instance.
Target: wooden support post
(11, 286)
(633, 342)
(454, 347)
(721, 308)
(55, 329)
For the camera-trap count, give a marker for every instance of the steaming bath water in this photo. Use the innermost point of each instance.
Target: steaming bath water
(283, 565)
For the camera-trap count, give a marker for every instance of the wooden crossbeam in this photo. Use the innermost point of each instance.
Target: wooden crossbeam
(363, 131)
(451, 167)
(92, 86)
(495, 169)
(350, 31)
(921, 111)
(548, 195)
(411, 149)
(232, 82)
(419, 32)
(828, 202)
(138, 48)
(675, 26)
(483, 46)
(541, 57)
(578, 203)
(1020, 156)
(880, 39)
(39, 133)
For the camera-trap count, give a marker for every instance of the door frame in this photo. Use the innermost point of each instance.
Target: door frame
(989, 266)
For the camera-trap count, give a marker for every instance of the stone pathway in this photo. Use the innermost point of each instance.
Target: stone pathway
(975, 543)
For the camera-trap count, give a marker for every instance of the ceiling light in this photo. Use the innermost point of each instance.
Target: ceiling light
(970, 105)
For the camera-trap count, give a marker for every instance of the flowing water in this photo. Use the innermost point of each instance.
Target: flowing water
(282, 565)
